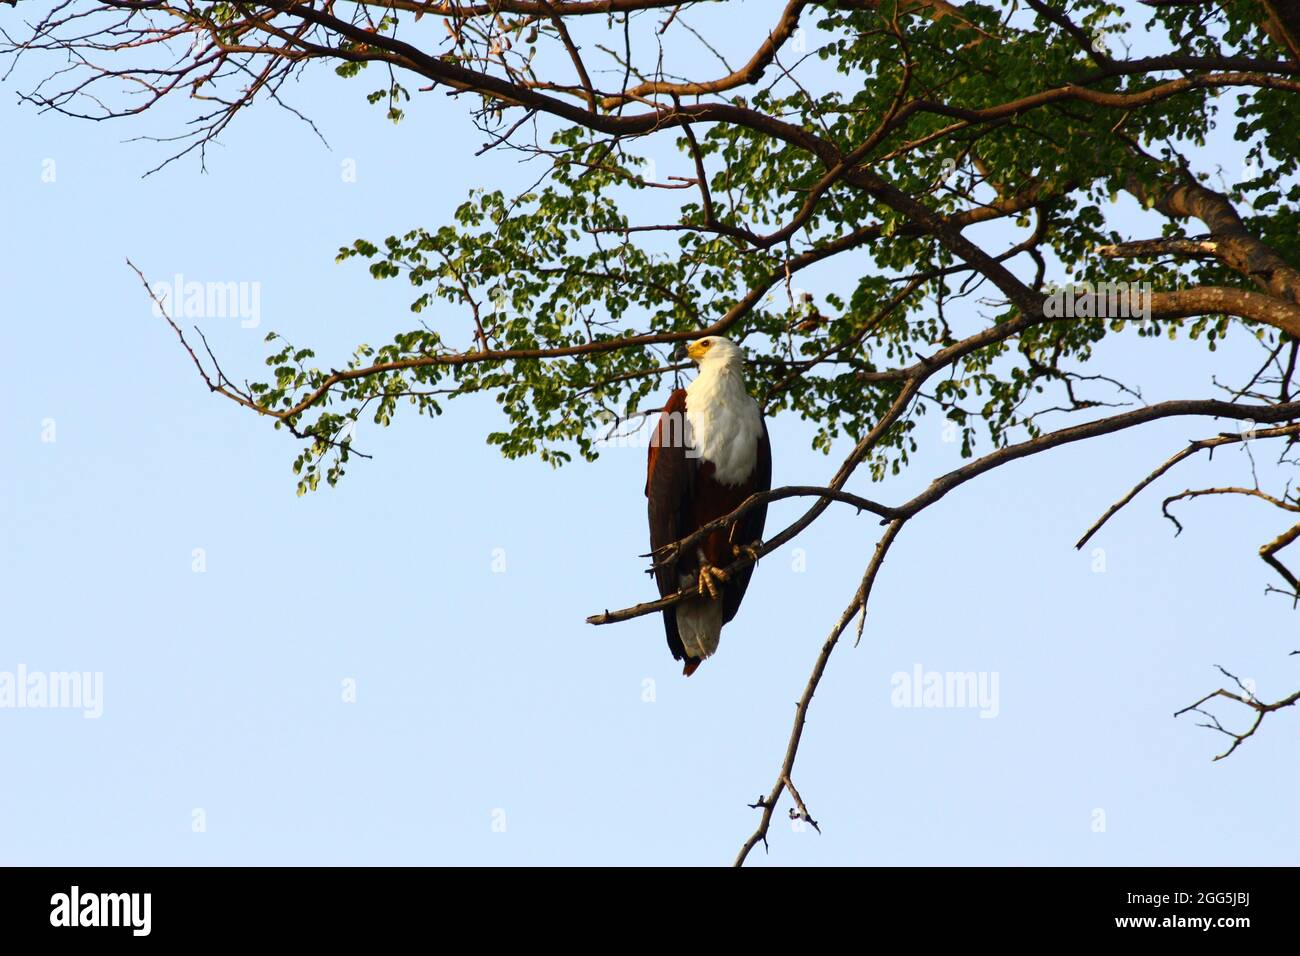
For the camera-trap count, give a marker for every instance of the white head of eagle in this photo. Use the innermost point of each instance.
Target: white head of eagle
(724, 459)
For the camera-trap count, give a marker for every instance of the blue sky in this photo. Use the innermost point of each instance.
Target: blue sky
(491, 725)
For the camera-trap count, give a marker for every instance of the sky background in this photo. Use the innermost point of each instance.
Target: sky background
(491, 724)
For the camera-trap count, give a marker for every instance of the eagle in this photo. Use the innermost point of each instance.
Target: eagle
(708, 453)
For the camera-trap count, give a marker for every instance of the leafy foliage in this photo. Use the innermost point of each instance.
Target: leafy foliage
(1009, 123)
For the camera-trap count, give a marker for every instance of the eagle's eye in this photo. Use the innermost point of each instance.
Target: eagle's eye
(705, 343)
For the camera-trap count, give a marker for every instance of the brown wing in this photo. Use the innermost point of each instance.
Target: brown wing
(749, 529)
(670, 478)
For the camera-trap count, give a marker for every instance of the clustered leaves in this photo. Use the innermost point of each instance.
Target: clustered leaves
(600, 248)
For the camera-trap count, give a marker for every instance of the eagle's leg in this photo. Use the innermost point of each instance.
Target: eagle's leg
(750, 550)
(709, 576)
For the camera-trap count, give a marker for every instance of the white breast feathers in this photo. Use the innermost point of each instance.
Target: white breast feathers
(724, 423)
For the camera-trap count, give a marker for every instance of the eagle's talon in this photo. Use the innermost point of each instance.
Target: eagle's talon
(706, 580)
(749, 550)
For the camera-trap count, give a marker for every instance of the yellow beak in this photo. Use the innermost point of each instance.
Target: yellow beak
(696, 350)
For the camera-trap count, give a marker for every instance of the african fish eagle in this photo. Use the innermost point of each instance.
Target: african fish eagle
(708, 454)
